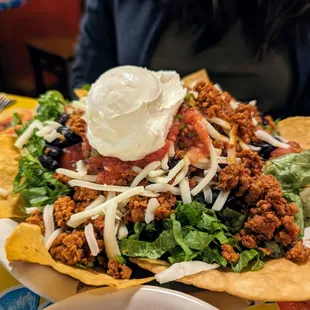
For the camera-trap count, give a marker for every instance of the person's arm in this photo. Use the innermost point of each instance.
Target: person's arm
(95, 51)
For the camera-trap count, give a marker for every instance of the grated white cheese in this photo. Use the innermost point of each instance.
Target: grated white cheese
(51, 125)
(176, 169)
(163, 188)
(254, 148)
(219, 122)
(220, 201)
(163, 180)
(91, 239)
(111, 195)
(136, 169)
(26, 135)
(143, 174)
(164, 162)
(52, 238)
(242, 144)
(185, 191)
(207, 194)
(32, 209)
(99, 200)
(78, 218)
(171, 151)
(79, 105)
(150, 210)
(48, 219)
(181, 175)
(213, 132)
(53, 135)
(98, 187)
(265, 136)
(183, 269)
(156, 173)
(81, 168)
(231, 151)
(253, 103)
(110, 241)
(211, 173)
(4, 192)
(122, 231)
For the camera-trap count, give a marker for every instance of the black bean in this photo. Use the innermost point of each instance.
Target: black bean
(200, 198)
(62, 119)
(48, 162)
(57, 142)
(70, 136)
(53, 151)
(266, 150)
(172, 163)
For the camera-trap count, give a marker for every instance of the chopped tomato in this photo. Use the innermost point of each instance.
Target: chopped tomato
(294, 148)
(70, 156)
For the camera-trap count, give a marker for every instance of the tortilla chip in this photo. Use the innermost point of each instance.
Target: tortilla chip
(9, 158)
(296, 129)
(26, 244)
(80, 93)
(190, 80)
(278, 280)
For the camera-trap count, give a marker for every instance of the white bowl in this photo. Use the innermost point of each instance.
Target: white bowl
(134, 298)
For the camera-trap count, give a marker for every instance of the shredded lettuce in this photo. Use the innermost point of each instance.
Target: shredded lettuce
(51, 105)
(291, 170)
(245, 258)
(36, 184)
(234, 220)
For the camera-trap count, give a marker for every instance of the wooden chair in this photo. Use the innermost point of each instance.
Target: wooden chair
(53, 55)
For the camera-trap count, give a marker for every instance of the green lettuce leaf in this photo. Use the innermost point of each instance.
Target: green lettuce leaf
(291, 170)
(190, 213)
(277, 250)
(136, 248)
(234, 220)
(305, 197)
(51, 106)
(210, 256)
(36, 184)
(198, 240)
(299, 217)
(245, 258)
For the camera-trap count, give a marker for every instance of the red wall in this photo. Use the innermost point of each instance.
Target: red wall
(37, 18)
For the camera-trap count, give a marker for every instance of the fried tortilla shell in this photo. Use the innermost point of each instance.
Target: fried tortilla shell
(278, 280)
(26, 244)
(296, 129)
(9, 158)
(190, 80)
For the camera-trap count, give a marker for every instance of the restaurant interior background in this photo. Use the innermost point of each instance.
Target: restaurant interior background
(37, 39)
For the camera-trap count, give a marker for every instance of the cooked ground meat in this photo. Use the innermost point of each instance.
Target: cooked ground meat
(246, 239)
(85, 194)
(72, 248)
(136, 209)
(62, 178)
(117, 270)
(252, 161)
(167, 202)
(298, 253)
(77, 124)
(80, 206)
(265, 224)
(233, 176)
(36, 218)
(63, 209)
(229, 253)
(126, 178)
(220, 145)
(98, 225)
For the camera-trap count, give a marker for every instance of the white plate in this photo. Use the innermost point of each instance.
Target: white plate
(134, 298)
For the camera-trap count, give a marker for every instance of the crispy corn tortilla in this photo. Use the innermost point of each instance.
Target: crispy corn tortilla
(296, 129)
(278, 280)
(190, 80)
(9, 158)
(26, 244)
(80, 93)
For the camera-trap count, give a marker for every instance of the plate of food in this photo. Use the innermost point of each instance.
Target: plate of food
(145, 173)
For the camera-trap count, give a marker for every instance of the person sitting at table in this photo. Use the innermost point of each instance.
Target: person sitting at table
(255, 49)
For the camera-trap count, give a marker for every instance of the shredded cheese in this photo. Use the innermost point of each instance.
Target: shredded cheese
(26, 135)
(164, 180)
(150, 210)
(163, 188)
(110, 241)
(219, 122)
(231, 151)
(220, 201)
(265, 136)
(32, 209)
(52, 238)
(53, 135)
(122, 231)
(176, 169)
(78, 218)
(98, 187)
(207, 194)
(185, 191)
(171, 151)
(91, 239)
(98, 201)
(51, 125)
(242, 144)
(79, 105)
(211, 173)
(81, 168)
(183, 172)
(48, 219)
(111, 195)
(183, 269)
(254, 148)
(213, 132)
(136, 169)
(164, 162)
(156, 173)
(143, 174)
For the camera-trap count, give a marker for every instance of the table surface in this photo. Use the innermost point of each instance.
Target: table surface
(10, 289)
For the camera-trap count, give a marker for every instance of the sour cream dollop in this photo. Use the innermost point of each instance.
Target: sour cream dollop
(129, 111)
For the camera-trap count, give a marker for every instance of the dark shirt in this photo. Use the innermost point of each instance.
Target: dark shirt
(119, 32)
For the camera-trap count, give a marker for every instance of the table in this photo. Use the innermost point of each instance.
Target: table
(10, 289)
